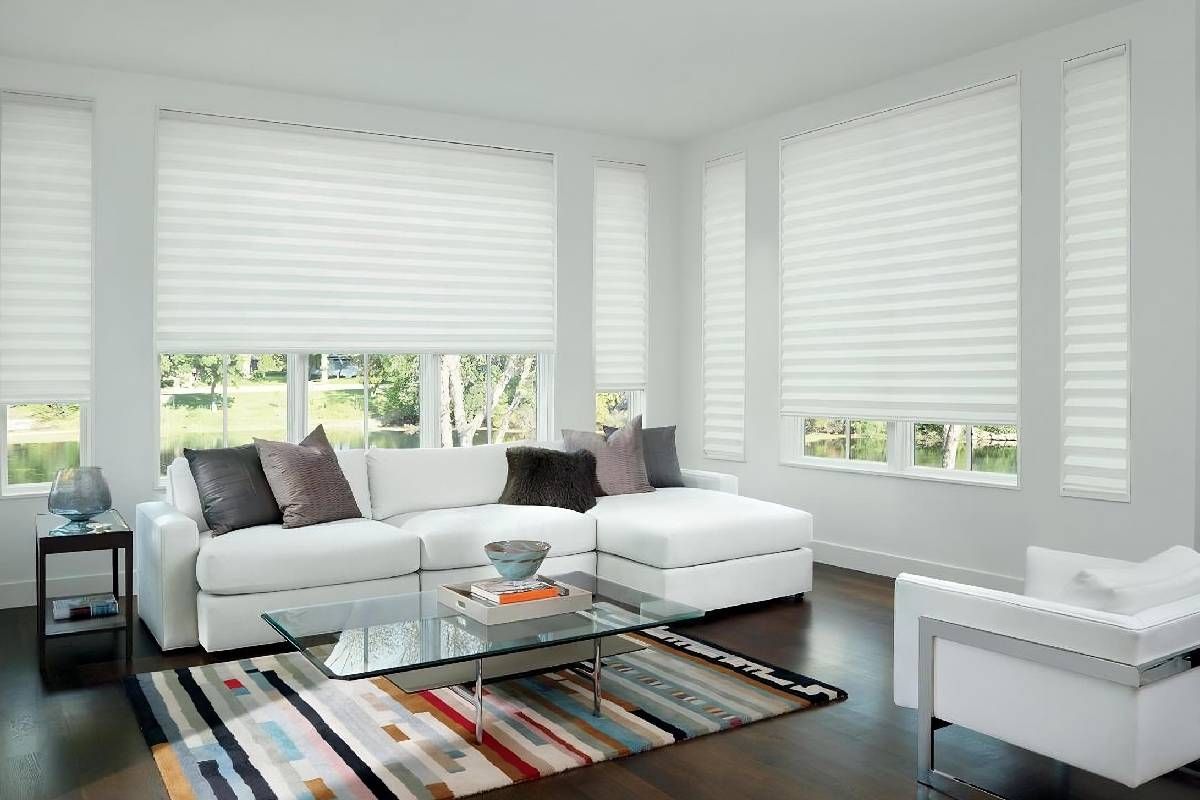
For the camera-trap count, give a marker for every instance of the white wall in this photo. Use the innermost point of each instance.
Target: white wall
(125, 389)
(887, 524)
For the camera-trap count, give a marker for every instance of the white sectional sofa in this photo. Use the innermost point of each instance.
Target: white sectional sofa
(426, 516)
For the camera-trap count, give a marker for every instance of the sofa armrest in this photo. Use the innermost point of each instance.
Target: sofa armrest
(1132, 640)
(716, 481)
(167, 542)
(1049, 574)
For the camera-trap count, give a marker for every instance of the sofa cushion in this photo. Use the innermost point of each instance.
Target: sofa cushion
(270, 558)
(454, 537)
(354, 467)
(420, 479)
(182, 492)
(1164, 578)
(673, 528)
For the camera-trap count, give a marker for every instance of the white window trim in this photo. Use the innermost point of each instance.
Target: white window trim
(18, 491)
(900, 463)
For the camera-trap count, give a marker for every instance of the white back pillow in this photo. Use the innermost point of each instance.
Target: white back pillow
(1169, 576)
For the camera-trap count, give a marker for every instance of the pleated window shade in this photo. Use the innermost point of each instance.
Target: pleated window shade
(619, 275)
(1095, 274)
(276, 238)
(45, 250)
(724, 308)
(900, 263)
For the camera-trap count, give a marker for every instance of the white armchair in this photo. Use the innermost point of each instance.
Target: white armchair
(1114, 694)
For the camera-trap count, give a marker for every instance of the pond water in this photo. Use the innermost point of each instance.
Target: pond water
(991, 458)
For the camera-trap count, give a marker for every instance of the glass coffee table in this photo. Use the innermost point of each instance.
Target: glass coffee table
(418, 643)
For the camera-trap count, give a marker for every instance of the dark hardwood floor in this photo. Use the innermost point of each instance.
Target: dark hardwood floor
(73, 735)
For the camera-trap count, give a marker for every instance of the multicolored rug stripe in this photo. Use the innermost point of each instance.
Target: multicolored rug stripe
(274, 727)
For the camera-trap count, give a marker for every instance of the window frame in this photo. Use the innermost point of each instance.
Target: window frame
(297, 393)
(901, 460)
(26, 490)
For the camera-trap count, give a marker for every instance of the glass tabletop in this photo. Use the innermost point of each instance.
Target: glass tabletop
(47, 524)
(377, 636)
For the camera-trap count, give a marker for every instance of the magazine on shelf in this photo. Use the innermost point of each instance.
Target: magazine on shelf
(84, 607)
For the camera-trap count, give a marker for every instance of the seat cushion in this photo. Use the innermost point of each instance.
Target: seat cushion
(418, 479)
(684, 527)
(451, 538)
(269, 558)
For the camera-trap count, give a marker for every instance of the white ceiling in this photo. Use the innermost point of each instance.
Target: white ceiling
(667, 69)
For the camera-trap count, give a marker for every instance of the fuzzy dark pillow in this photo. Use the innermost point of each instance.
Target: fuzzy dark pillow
(541, 477)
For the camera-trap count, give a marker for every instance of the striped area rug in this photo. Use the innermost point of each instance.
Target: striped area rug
(274, 727)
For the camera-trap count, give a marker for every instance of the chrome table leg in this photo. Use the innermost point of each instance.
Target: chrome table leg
(479, 701)
(596, 665)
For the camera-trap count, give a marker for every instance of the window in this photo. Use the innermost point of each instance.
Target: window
(1095, 276)
(220, 401)
(617, 409)
(620, 280)
(487, 399)
(899, 287)
(45, 263)
(724, 307)
(974, 448)
(333, 250)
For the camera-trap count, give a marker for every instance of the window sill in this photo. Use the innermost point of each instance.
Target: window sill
(34, 492)
(989, 480)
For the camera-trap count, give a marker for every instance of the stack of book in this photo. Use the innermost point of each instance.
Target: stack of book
(84, 607)
(502, 592)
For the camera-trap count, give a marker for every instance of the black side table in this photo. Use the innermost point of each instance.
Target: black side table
(108, 531)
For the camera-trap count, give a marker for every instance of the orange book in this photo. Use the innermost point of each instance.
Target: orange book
(534, 594)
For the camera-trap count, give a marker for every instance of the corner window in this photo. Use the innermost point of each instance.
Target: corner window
(39, 440)
(617, 409)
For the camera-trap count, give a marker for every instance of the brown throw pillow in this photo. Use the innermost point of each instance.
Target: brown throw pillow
(307, 480)
(541, 477)
(620, 465)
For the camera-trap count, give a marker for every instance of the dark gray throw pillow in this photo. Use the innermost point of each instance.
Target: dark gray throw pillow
(541, 477)
(233, 490)
(307, 480)
(662, 458)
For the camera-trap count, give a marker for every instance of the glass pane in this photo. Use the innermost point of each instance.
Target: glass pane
(868, 440)
(42, 439)
(336, 397)
(514, 383)
(395, 401)
(825, 438)
(257, 398)
(463, 386)
(190, 412)
(995, 449)
(612, 409)
(942, 446)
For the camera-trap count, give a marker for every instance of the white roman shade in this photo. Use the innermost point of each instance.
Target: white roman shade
(620, 281)
(45, 250)
(1095, 272)
(278, 238)
(724, 308)
(900, 262)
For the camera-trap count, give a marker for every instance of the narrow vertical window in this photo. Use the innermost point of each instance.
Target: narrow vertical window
(1095, 276)
(620, 254)
(45, 287)
(724, 307)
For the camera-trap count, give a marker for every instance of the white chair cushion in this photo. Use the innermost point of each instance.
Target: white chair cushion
(419, 479)
(671, 528)
(452, 538)
(267, 558)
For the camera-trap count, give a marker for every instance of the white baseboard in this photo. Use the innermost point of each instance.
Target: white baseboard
(17, 594)
(879, 563)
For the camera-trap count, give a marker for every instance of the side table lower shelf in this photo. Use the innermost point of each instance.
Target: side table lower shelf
(56, 628)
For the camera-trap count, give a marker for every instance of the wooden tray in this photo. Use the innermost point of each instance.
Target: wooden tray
(458, 597)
